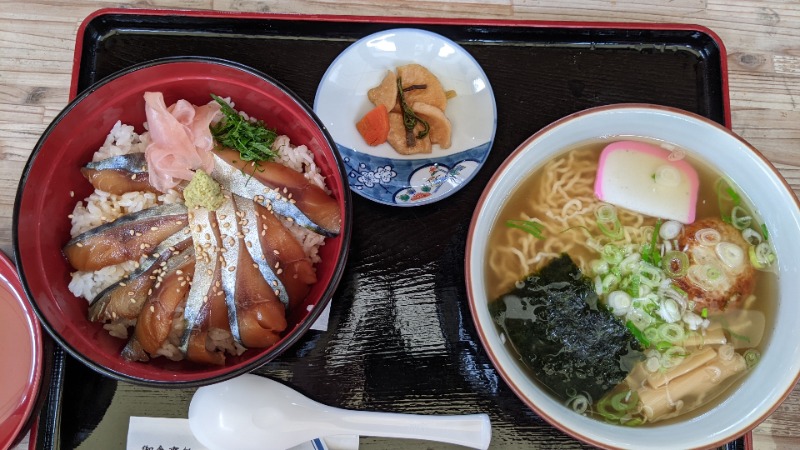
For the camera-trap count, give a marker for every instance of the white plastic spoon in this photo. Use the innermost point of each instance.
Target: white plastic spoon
(253, 412)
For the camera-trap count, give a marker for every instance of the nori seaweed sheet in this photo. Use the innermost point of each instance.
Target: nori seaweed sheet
(571, 343)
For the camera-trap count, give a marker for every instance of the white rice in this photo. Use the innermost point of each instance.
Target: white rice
(101, 207)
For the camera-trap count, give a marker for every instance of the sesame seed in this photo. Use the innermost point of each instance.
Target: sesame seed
(79, 244)
(255, 265)
(231, 268)
(280, 271)
(276, 252)
(153, 228)
(72, 193)
(152, 308)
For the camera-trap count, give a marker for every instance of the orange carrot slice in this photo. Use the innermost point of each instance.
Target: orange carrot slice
(374, 126)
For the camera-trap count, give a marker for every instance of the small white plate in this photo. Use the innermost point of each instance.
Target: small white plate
(380, 173)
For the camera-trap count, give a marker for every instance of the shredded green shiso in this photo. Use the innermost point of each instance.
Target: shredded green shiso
(252, 139)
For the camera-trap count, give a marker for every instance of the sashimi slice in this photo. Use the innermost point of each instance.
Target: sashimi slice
(647, 179)
(320, 207)
(125, 239)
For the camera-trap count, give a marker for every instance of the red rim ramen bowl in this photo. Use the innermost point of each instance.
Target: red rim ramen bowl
(51, 184)
(753, 397)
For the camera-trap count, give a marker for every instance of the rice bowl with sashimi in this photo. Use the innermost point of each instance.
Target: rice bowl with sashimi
(205, 263)
(212, 266)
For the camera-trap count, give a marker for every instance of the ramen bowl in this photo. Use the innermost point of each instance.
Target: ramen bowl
(749, 400)
(52, 183)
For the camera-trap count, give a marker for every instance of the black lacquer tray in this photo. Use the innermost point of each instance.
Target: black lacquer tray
(401, 337)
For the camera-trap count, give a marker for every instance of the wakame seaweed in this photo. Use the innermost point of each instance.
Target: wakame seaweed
(570, 342)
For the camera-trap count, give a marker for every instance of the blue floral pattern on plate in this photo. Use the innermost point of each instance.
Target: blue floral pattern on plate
(379, 173)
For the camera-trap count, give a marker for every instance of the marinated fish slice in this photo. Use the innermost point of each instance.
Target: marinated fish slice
(227, 220)
(245, 186)
(125, 239)
(253, 292)
(318, 206)
(261, 315)
(251, 234)
(205, 303)
(212, 336)
(285, 255)
(124, 299)
(160, 325)
(133, 351)
(120, 174)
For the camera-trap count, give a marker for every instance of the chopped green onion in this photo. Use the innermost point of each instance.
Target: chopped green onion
(675, 263)
(764, 231)
(740, 218)
(678, 289)
(727, 198)
(529, 226)
(752, 236)
(612, 254)
(624, 401)
(608, 222)
(708, 236)
(751, 357)
(637, 333)
(650, 251)
(671, 332)
(761, 255)
(663, 345)
(704, 313)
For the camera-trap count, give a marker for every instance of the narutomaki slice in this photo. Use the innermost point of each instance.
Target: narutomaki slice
(314, 202)
(125, 239)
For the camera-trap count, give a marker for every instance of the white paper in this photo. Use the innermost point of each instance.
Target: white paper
(158, 433)
(321, 323)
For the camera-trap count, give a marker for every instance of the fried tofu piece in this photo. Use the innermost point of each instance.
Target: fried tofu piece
(417, 75)
(440, 128)
(385, 93)
(397, 137)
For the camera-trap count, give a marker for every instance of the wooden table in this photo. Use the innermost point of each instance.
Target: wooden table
(762, 39)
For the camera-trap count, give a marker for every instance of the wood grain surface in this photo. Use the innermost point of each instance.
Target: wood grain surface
(762, 39)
